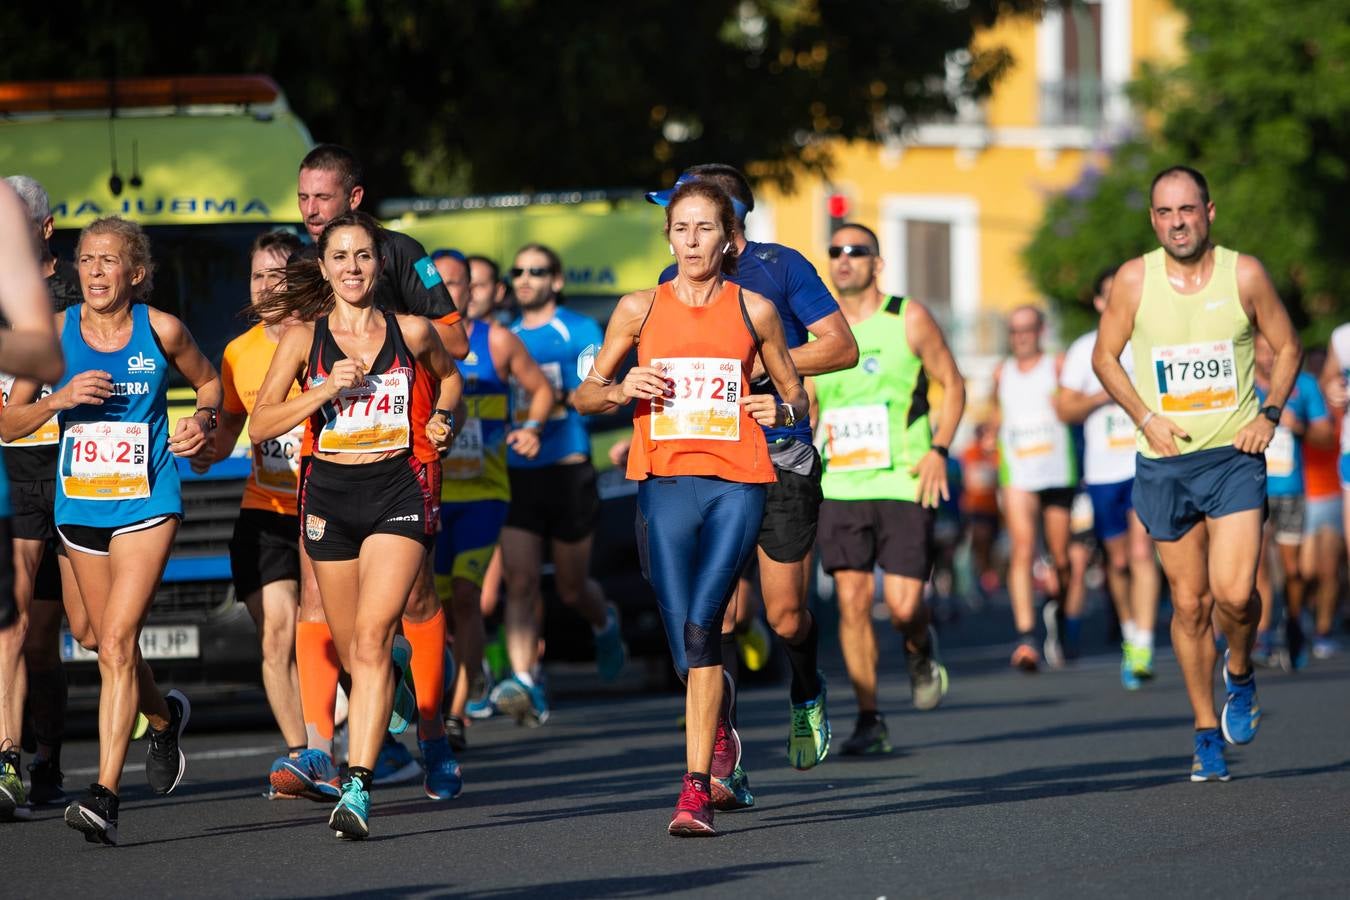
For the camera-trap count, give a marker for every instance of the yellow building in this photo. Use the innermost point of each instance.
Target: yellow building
(954, 202)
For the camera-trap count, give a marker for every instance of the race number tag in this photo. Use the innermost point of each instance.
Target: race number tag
(1280, 453)
(1033, 440)
(553, 372)
(47, 435)
(1196, 378)
(106, 461)
(1119, 430)
(371, 417)
(857, 437)
(706, 402)
(276, 462)
(464, 459)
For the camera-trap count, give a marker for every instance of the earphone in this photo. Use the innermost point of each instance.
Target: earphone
(672, 249)
(726, 247)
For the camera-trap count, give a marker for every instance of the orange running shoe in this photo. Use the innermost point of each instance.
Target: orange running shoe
(1026, 658)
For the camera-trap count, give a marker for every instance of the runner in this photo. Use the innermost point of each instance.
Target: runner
(1323, 530)
(1335, 384)
(476, 492)
(1108, 473)
(1037, 475)
(885, 474)
(1189, 310)
(1303, 423)
(698, 457)
(264, 559)
(118, 500)
(29, 347)
(366, 503)
(553, 494)
(979, 504)
(792, 503)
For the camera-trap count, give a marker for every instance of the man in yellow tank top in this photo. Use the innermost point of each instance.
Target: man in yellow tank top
(1191, 310)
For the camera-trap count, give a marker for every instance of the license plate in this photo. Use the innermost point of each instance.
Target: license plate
(157, 642)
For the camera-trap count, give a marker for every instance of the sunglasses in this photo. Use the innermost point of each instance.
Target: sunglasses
(532, 271)
(850, 250)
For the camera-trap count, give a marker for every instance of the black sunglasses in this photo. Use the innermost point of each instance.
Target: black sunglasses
(534, 271)
(850, 250)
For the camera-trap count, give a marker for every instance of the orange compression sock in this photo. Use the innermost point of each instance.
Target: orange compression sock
(428, 670)
(317, 661)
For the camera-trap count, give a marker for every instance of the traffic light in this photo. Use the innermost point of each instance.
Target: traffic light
(837, 206)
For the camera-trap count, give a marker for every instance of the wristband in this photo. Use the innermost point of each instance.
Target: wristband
(1147, 419)
(941, 450)
(211, 426)
(532, 423)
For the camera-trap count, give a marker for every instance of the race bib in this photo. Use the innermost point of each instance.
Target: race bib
(857, 437)
(464, 459)
(106, 461)
(276, 462)
(521, 404)
(1280, 453)
(370, 418)
(1033, 440)
(47, 435)
(706, 402)
(1196, 378)
(1119, 430)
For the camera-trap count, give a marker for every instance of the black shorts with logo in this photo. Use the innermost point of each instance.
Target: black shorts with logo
(264, 548)
(557, 502)
(858, 534)
(791, 509)
(342, 505)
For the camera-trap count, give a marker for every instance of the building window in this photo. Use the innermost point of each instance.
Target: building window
(931, 245)
(1083, 63)
(928, 254)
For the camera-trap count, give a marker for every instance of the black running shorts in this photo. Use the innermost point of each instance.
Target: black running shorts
(263, 549)
(557, 502)
(858, 534)
(341, 505)
(791, 508)
(97, 539)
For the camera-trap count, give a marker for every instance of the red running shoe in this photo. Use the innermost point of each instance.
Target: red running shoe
(693, 812)
(726, 750)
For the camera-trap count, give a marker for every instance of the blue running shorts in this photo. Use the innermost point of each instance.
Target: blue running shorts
(1172, 494)
(1111, 504)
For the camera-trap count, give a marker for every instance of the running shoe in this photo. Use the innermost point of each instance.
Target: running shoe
(456, 733)
(351, 816)
(1026, 658)
(1263, 651)
(395, 765)
(527, 705)
(45, 783)
(404, 712)
(809, 740)
(869, 738)
(1242, 713)
(731, 794)
(753, 645)
(927, 676)
(1052, 614)
(726, 749)
(1325, 647)
(1207, 764)
(164, 759)
(13, 798)
(1129, 679)
(1295, 643)
(1143, 663)
(311, 775)
(610, 652)
(693, 812)
(480, 690)
(95, 816)
(444, 778)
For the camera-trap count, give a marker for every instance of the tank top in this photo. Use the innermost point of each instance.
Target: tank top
(874, 417)
(474, 468)
(275, 463)
(374, 416)
(1193, 355)
(31, 458)
(115, 467)
(707, 353)
(1034, 449)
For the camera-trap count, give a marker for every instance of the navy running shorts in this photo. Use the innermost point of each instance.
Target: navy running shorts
(1172, 494)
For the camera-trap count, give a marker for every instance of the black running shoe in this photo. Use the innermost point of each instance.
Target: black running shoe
(45, 783)
(454, 731)
(868, 739)
(164, 760)
(95, 816)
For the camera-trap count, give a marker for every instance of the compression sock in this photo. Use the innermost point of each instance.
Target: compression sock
(428, 671)
(316, 660)
(47, 706)
(802, 660)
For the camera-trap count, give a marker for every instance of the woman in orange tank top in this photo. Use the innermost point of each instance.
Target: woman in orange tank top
(700, 459)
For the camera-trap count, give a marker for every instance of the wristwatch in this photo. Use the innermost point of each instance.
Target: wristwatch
(789, 415)
(1272, 413)
(447, 414)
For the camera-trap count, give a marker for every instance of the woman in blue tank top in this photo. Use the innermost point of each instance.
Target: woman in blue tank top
(117, 492)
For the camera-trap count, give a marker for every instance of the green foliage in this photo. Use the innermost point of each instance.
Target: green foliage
(1261, 105)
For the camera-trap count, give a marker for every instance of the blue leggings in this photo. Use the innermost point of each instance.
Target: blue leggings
(697, 534)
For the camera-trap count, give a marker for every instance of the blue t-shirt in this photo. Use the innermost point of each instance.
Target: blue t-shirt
(555, 347)
(789, 281)
(1284, 456)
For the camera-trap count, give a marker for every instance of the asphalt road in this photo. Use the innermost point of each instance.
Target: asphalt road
(1058, 784)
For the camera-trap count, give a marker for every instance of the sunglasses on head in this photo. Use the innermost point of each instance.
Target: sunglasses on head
(850, 250)
(532, 271)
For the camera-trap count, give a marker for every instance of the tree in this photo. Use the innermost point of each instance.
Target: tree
(1264, 111)
(507, 95)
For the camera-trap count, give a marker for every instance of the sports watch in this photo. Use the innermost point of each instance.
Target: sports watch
(1272, 413)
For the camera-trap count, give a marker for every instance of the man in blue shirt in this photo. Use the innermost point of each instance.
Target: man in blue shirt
(788, 534)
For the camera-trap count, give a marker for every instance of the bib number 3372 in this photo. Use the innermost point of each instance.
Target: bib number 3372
(706, 405)
(106, 461)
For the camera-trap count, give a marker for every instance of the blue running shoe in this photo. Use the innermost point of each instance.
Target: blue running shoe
(395, 765)
(479, 705)
(730, 794)
(1129, 679)
(610, 652)
(809, 739)
(528, 705)
(311, 775)
(352, 813)
(1208, 764)
(404, 712)
(444, 778)
(1241, 717)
